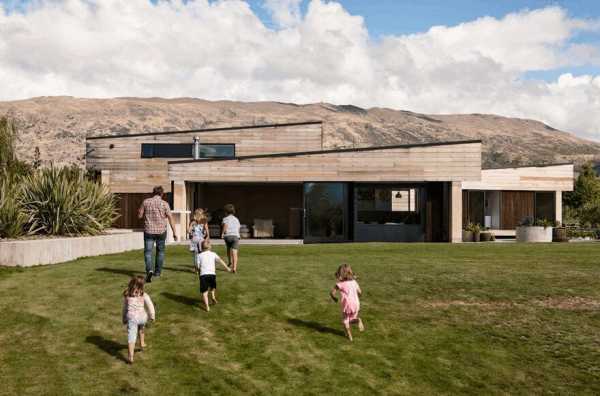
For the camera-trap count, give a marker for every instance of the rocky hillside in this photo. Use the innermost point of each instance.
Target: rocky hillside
(58, 126)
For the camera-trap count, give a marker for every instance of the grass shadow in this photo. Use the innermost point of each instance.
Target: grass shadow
(109, 346)
(180, 269)
(121, 271)
(310, 324)
(181, 299)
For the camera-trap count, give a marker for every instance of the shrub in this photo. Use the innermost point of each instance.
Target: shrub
(61, 201)
(13, 221)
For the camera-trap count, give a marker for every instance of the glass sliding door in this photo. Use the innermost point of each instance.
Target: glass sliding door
(326, 212)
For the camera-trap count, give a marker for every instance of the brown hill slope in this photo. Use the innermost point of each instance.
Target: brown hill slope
(58, 126)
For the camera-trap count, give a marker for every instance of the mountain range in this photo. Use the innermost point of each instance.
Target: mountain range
(57, 126)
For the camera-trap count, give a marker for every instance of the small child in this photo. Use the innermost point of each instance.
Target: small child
(137, 306)
(208, 276)
(198, 232)
(349, 292)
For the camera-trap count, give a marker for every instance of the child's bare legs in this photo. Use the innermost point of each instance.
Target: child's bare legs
(212, 296)
(234, 259)
(361, 326)
(130, 350)
(205, 298)
(348, 331)
(141, 337)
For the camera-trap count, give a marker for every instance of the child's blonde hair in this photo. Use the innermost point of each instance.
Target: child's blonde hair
(344, 273)
(200, 216)
(206, 244)
(135, 287)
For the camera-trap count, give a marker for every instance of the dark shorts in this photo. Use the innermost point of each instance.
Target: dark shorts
(232, 242)
(208, 282)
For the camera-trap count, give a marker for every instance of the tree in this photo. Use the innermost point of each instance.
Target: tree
(586, 189)
(9, 164)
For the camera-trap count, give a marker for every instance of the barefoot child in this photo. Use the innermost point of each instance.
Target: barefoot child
(198, 231)
(349, 292)
(230, 232)
(137, 306)
(208, 276)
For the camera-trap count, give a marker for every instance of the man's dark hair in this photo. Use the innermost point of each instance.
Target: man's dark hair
(158, 190)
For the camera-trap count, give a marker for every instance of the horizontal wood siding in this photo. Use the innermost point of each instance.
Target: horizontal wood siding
(455, 162)
(543, 178)
(131, 173)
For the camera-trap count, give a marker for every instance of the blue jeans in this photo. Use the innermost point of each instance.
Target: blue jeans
(149, 241)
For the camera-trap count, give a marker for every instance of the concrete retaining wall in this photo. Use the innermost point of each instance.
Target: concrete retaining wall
(27, 253)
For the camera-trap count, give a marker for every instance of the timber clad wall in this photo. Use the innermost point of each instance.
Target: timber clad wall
(447, 162)
(532, 178)
(121, 156)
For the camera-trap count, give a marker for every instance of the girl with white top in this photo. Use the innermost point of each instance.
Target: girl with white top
(230, 232)
(208, 275)
(137, 309)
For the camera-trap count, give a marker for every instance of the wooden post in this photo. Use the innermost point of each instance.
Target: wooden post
(558, 206)
(179, 208)
(456, 212)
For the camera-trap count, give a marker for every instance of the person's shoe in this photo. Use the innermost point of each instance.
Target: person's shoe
(149, 277)
(157, 275)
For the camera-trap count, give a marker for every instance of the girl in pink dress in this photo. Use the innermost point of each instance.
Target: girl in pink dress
(349, 292)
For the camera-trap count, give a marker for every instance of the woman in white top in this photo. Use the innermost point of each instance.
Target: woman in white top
(230, 232)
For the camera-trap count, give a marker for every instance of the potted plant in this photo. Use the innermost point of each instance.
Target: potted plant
(559, 233)
(476, 229)
(530, 230)
(467, 234)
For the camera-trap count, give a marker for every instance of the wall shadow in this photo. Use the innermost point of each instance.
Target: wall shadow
(310, 324)
(181, 299)
(121, 271)
(111, 347)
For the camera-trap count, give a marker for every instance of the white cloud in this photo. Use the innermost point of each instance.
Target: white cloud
(222, 50)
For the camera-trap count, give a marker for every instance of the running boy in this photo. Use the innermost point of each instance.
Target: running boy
(208, 276)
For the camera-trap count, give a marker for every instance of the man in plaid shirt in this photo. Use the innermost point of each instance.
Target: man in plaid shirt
(155, 211)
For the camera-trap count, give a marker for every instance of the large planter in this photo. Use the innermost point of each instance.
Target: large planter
(559, 234)
(534, 234)
(476, 236)
(467, 236)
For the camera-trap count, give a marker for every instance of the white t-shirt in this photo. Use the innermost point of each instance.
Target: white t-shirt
(233, 226)
(206, 262)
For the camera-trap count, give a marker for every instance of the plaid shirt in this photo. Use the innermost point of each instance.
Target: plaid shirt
(155, 215)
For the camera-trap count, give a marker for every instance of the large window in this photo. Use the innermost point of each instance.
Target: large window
(186, 150)
(544, 206)
(388, 205)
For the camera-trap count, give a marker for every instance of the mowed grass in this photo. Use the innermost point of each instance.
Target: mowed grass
(440, 319)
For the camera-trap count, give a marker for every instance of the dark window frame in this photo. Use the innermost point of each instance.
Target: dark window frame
(148, 150)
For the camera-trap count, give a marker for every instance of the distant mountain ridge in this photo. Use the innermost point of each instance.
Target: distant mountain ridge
(59, 125)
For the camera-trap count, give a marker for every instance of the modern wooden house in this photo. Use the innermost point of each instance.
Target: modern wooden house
(282, 173)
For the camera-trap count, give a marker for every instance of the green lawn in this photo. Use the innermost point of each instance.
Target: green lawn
(440, 319)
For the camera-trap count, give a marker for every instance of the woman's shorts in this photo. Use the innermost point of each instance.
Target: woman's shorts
(133, 326)
(232, 242)
(208, 282)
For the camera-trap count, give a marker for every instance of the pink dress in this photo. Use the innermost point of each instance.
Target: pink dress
(349, 300)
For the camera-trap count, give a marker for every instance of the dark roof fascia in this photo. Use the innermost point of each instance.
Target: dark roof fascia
(205, 130)
(529, 166)
(333, 151)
